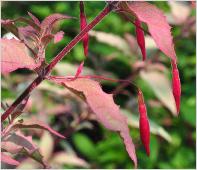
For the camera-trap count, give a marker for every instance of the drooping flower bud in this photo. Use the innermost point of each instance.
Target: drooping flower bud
(140, 38)
(176, 85)
(83, 24)
(144, 123)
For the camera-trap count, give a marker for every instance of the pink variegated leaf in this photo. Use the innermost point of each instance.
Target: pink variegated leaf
(79, 69)
(36, 124)
(35, 19)
(140, 38)
(29, 36)
(27, 32)
(15, 142)
(9, 25)
(11, 147)
(156, 22)
(58, 36)
(46, 39)
(48, 22)
(8, 159)
(28, 22)
(102, 104)
(49, 37)
(15, 56)
(83, 24)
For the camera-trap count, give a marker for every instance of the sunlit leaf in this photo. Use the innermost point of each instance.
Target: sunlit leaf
(112, 40)
(156, 22)
(15, 56)
(102, 104)
(8, 160)
(63, 158)
(161, 86)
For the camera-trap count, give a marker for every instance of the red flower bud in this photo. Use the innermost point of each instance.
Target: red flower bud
(140, 38)
(83, 24)
(144, 123)
(176, 85)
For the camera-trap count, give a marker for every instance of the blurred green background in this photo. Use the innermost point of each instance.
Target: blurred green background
(98, 146)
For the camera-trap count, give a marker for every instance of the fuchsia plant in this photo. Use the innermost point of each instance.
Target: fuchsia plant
(36, 35)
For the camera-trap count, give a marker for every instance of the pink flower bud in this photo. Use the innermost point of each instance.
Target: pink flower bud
(176, 85)
(144, 123)
(140, 38)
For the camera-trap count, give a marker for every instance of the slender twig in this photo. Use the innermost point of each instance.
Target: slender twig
(48, 68)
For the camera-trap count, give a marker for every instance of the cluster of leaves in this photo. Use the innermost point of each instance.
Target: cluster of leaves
(85, 88)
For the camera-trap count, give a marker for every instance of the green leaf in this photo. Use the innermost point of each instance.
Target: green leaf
(188, 110)
(161, 86)
(154, 148)
(184, 158)
(84, 145)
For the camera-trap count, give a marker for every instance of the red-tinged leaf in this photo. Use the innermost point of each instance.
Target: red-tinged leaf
(47, 23)
(35, 19)
(5, 132)
(79, 69)
(130, 148)
(36, 155)
(36, 124)
(8, 160)
(140, 38)
(176, 85)
(58, 36)
(27, 32)
(144, 123)
(15, 56)
(46, 39)
(102, 104)
(10, 147)
(30, 38)
(15, 142)
(156, 22)
(28, 22)
(9, 25)
(83, 24)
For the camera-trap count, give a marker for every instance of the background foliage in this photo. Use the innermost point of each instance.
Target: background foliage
(99, 147)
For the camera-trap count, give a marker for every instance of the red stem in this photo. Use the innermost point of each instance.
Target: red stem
(67, 49)
(48, 69)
